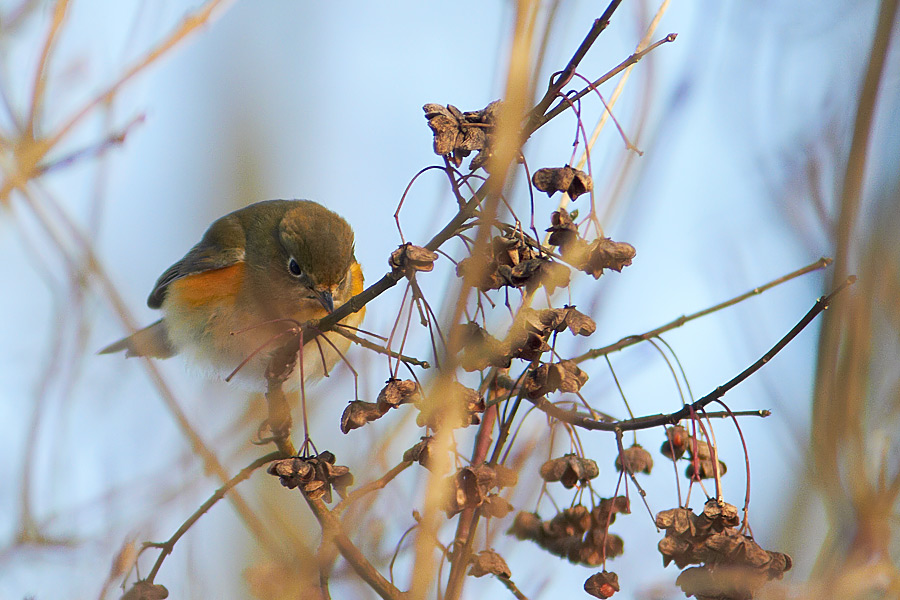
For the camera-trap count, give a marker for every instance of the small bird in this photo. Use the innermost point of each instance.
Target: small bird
(254, 275)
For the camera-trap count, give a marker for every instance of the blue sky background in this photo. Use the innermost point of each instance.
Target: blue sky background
(323, 101)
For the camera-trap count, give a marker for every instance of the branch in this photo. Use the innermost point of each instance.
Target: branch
(334, 532)
(634, 339)
(579, 420)
(371, 486)
(536, 116)
(380, 349)
(169, 544)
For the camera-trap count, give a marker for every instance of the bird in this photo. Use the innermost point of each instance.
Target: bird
(240, 292)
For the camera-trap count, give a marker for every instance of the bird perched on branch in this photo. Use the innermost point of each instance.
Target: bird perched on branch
(256, 274)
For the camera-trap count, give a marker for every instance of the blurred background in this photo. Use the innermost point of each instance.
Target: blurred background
(747, 122)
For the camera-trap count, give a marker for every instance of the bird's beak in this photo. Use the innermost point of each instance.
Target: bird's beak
(325, 299)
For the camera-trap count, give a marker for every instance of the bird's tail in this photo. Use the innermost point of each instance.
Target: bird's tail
(150, 341)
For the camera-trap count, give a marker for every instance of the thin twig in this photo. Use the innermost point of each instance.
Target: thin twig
(370, 487)
(332, 529)
(634, 339)
(92, 151)
(631, 60)
(508, 583)
(169, 544)
(40, 74)
(579, 420)
(189, 24)
(536, 117)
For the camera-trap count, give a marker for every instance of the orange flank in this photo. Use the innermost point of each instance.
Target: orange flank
(358, 285)
(208, 287)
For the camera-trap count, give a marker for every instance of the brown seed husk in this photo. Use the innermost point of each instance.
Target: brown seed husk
(409, 259)
(562, 179)
(637, 460)
(602, 585)
(569, 470)
(488, 562)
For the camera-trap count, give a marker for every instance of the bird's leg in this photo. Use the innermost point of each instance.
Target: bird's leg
(279, 420)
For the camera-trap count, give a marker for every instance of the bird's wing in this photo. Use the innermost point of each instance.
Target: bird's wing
(222, 246)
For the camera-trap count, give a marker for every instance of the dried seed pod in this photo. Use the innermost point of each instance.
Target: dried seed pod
(718, 515)
(145, 590)
(537, 272)
(422, 453)
(607, 254)
(480, 350)
(699, 449)
(527, 338)
(713, 540)
(397, 392)
(637, 460)
(602, 585)
(469, 487)
(454, 406)
(676, 442)
(445, 126)
(526, 526)
(488, 117)
(705, 470)
(511, 250)
(593, 257)
(677, 520)
(488, 562)
(458, 134)
(292, 471)
(676, 549)
(575, 533)
(578, 322)
(567, 376)
(545, 320)
(409, 258)
(315, 475)
(562, 229)
(358, 413)
(722, 582)
(564, 376)
(569, 470)
(481, 272)
(562, 179)
(496, 507)
(605, 512)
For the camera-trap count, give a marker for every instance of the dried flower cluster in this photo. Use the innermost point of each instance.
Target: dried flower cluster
(512, 262)
(546, 378)
(590, 257)
(314, 475)
(527, 338)
(602, 585)
(488, 562)
(636, 459)
(453, 405)
(577, 534)
(392, 395)
(471, 487)
(569, 470)
(701, 466)
(733, 566)
(422, 453)
(573, 182)
(408, 259)
(457, 134)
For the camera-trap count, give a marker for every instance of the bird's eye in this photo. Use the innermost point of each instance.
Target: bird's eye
(294, 268)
